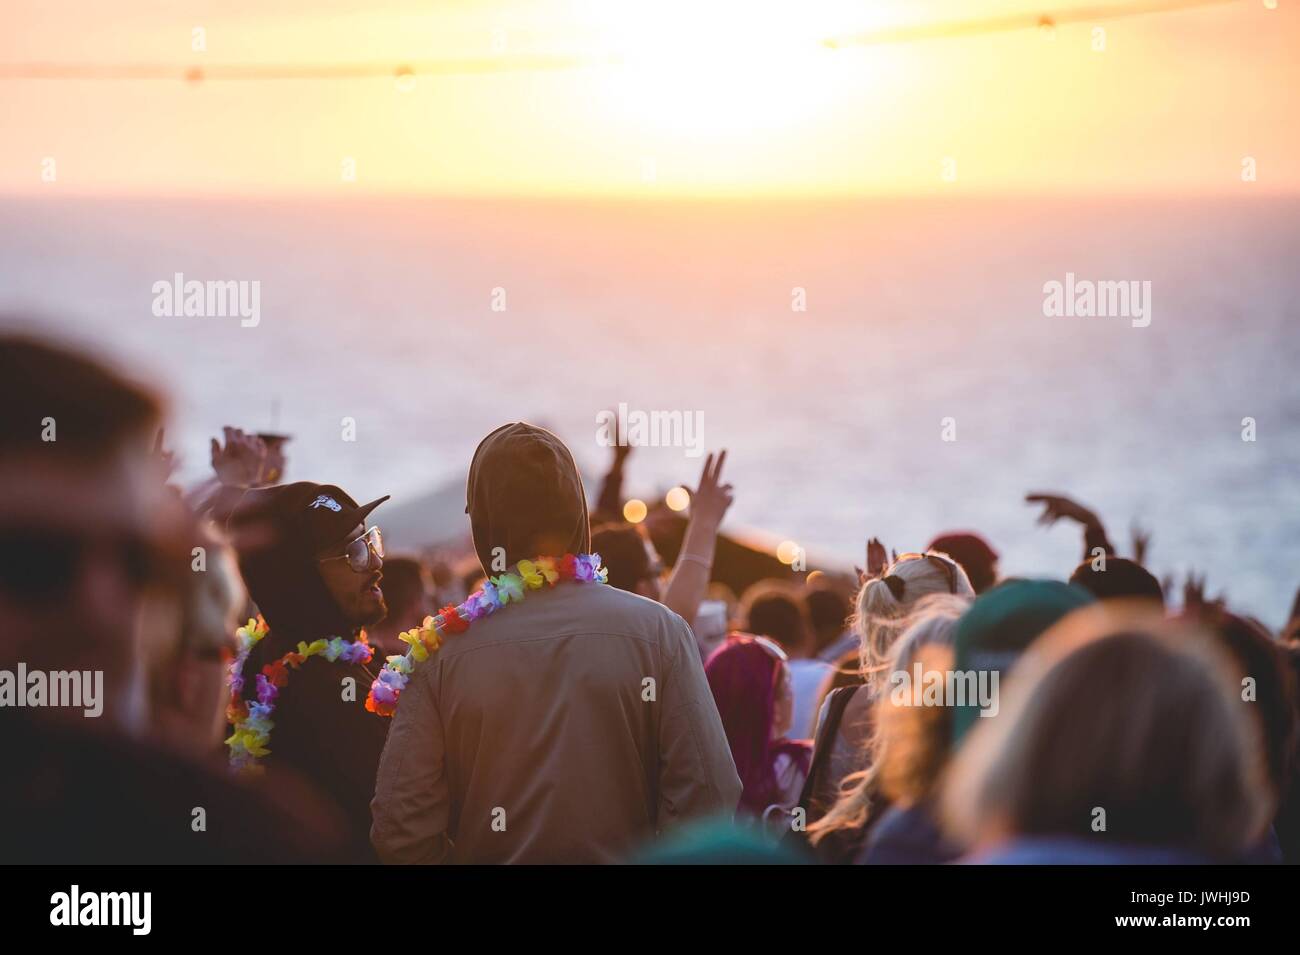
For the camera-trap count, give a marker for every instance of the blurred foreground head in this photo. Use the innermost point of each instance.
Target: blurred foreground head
(524, 498)
(86, 525)
(1267, 689)
(1119, 731)
(187, 663)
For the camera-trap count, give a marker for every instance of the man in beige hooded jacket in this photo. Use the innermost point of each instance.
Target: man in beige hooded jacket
(571, 727)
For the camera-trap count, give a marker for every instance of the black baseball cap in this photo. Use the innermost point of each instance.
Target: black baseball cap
(309, 516)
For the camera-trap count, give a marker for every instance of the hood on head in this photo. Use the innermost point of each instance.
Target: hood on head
(525, 495)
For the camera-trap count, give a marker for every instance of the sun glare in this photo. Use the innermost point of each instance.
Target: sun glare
(722, 69)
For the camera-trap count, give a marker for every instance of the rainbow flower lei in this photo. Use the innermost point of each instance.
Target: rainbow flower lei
(496, 593)
(252, 720)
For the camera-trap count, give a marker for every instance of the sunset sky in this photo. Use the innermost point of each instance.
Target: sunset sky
(713, 99)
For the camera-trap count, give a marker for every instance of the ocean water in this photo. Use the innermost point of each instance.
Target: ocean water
(380, 310)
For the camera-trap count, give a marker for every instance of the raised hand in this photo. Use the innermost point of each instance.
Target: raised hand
(165, 457)
(876, 561)
(1057, 506)
(242, 459)
(621, 447)
(712, 498)
(875, 557)
(1194, 594)
(689, 580)
(1141, 541)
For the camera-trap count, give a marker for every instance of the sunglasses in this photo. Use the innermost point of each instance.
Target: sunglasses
(949, 568)
(361, 552)
(44, 567)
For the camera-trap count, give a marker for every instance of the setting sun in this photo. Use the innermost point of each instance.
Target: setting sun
(722, 70)
(577, 97)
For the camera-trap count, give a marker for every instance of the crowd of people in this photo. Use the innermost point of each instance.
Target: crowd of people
(277, 688)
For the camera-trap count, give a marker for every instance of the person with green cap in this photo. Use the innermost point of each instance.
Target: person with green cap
(999, 626)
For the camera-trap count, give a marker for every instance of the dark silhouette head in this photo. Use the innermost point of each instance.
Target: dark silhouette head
(774, 608)
(977, 558)
(1122, 578)
(406, 592)
(1268, 688)
(828, 611)
(630, 557)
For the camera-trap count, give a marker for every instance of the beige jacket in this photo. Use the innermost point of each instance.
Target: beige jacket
(569, 728)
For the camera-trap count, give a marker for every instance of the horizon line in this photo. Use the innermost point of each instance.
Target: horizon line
(347, 193)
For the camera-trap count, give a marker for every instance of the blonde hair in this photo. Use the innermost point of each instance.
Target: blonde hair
(883, 607)
(1118, 709)
(909, 744)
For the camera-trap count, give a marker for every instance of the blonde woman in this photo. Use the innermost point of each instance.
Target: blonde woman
(907, 749)
(882, 606)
